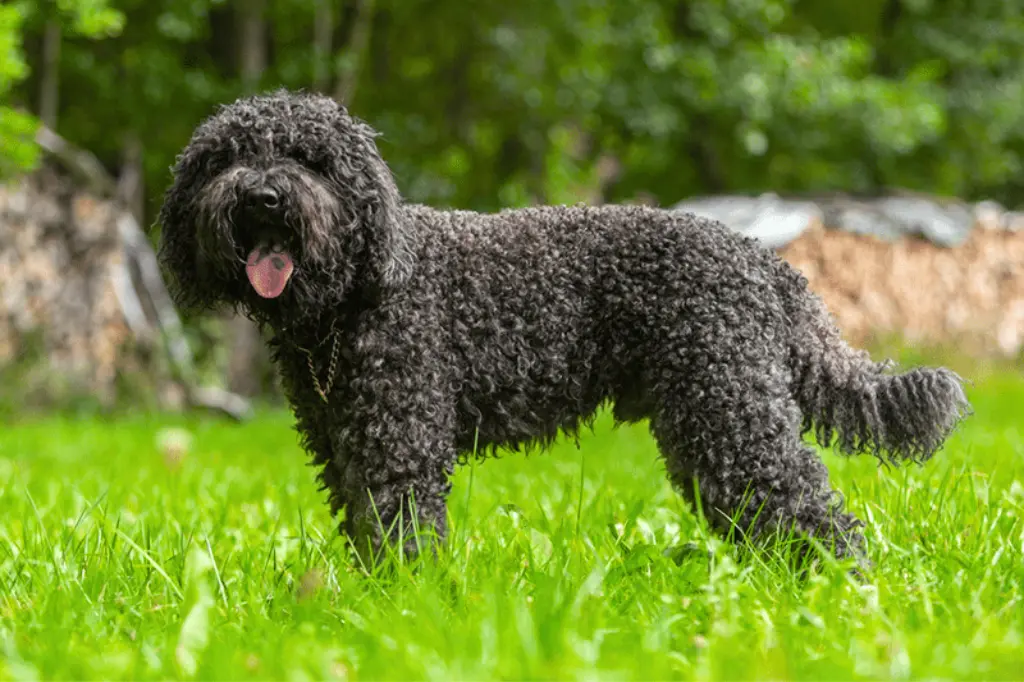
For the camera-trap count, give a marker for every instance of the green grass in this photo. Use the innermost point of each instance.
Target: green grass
(117, 562)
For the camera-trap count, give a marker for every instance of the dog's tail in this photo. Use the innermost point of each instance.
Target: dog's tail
(861, 404)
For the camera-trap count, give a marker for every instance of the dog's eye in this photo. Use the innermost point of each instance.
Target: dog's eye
(316, 163)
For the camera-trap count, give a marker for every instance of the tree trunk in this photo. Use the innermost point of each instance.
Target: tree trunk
(252, 32)
(351, 65)
(884, 66)
(49, 85)
(323, 34)
(131, 190)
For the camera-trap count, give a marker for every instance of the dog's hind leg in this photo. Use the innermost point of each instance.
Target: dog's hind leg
(737, 434)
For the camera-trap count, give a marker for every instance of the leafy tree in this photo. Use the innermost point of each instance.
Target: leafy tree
(526, 101)
(88, 19)
(16, 127)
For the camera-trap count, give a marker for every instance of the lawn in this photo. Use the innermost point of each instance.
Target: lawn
(120, 559)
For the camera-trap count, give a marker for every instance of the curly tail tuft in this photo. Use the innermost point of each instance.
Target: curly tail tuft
(846, 397)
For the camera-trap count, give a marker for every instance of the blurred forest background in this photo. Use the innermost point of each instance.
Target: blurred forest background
(482, 104)
(496, 103)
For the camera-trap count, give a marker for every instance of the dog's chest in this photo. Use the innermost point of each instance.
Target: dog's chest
(318, 374)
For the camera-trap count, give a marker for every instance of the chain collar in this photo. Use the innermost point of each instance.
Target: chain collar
(332, 368)
(324, 390)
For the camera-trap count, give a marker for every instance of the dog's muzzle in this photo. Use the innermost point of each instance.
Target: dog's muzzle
(262, 200)
(272, 212)
(269, 265)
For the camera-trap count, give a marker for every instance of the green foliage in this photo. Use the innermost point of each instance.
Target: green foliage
(690, 97)
(132, 552)
(17, 150)
(197, 605)
(93, 19)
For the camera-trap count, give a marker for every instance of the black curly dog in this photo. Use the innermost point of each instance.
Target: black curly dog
(410, 338)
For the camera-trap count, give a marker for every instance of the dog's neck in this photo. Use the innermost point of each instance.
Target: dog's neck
(313, 326)
(321, 345)
(308, 314)
(308, 329)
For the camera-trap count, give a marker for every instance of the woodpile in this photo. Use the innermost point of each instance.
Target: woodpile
(925, 271)
(59, 258)
(82, 300)
(971, 295)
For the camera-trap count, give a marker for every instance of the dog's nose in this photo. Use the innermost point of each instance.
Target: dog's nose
(263, 197)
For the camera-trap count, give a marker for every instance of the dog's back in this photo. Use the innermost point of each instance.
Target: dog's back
(559, 309)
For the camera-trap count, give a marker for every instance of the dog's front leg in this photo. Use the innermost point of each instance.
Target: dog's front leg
(397, 480)
(405, 513)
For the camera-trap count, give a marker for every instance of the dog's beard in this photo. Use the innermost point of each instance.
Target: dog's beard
(268, 246)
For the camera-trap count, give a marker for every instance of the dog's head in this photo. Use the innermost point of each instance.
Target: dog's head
(281, 202)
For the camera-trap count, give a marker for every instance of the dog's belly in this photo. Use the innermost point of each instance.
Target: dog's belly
(529, 397)
(511, 420)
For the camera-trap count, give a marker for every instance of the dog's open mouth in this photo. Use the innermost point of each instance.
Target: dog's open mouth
(268, 269)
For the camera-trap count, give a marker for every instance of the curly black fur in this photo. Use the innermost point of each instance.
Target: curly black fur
(459, 329)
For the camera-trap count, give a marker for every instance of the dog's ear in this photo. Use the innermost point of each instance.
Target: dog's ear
(388, 240)
(178, 249)
(359, 168)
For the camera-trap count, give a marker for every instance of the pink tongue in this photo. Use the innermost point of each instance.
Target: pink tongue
(269, 271)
